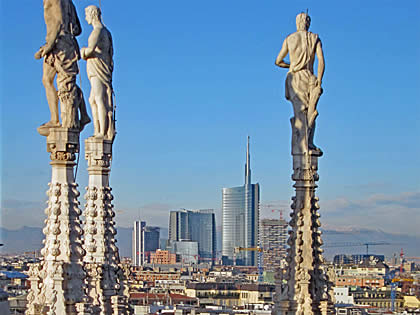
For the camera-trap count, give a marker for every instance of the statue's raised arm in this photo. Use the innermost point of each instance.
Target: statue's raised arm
(303, 88)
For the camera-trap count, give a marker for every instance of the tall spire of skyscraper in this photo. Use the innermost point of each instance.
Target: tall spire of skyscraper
(247, 166)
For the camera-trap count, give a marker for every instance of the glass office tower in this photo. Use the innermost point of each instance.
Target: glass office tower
(197, 226)
(240, 216)
(145, 240)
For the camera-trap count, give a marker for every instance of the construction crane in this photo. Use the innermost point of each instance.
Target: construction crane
(273, 209)
(367, 244)
(260, 259)
(394, 284)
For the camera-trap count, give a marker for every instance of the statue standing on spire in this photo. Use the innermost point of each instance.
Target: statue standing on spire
(100, 65)
(303, 88)
(61, 54)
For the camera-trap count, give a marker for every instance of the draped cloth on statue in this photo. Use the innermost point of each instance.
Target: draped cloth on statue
(300, 80)
(98, 66)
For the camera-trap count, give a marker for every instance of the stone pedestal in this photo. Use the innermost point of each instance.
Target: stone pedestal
(307, 290)
(105, 285)
(57, 282)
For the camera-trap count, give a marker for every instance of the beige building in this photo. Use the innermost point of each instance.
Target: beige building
(230, 294)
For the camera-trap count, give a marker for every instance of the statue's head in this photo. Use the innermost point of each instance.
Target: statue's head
(303, 21)
(92, 13)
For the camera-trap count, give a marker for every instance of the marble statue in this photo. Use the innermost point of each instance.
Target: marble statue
(307, 290)
(303, 88)
(100, 66)
(61, 54)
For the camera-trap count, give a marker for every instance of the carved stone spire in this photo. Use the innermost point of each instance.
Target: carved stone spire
(57, 282)
(307, 290)
(105, 280)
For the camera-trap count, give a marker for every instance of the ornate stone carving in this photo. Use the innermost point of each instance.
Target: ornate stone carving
(105, 276)
(307, 289)
(57, 282)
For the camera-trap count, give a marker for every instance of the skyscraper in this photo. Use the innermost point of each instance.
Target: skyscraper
(197, 226)
(240, 216)
(145, 240)
(273, 240)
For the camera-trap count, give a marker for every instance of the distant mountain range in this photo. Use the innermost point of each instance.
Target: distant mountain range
(28, 239)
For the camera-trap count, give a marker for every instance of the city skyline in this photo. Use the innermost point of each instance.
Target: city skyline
(196, 98)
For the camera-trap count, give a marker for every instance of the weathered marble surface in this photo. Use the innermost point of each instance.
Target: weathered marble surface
(100, 65)
(61, 53)
(106, 287)
(307, 290)
(303, 88)
(57, 282)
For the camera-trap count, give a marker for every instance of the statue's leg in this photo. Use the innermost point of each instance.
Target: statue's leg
(299, 144)
(99, 93)
(311, 144)
(48, 80)
(69, 99)
(94, 108)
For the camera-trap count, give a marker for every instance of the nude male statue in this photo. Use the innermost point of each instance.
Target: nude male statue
(61, 53)
(100, 66)
(303, 88)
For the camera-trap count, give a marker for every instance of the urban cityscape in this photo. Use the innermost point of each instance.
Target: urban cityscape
(237, 210)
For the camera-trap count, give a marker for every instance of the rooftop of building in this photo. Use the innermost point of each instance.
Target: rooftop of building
(175, 298)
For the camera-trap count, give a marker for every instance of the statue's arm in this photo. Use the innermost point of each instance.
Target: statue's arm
(321, 61)
(53, 16)
(282, 54)
(93, 41)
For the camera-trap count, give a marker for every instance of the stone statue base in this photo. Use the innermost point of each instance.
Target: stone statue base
(57, 282)
(308, 290)
(105, 277)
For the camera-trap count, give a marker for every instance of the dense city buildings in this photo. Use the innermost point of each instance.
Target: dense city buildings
(273, 241)
(168, 285)
(240, 219)
(194, 226)
(145, 240)
(343, 259)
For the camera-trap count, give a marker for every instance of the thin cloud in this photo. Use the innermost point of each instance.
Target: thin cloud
(394, 213)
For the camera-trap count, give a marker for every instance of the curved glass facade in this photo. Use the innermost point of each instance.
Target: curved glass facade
(240, 220)
(240, 215)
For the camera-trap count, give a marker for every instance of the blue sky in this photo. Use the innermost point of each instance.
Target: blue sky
(194, 78)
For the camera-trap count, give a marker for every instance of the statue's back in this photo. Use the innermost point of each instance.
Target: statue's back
(302, 45)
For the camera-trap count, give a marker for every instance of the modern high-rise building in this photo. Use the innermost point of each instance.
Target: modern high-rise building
(196, 226)
(145, 240)
(273, 241)
(240, 220)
